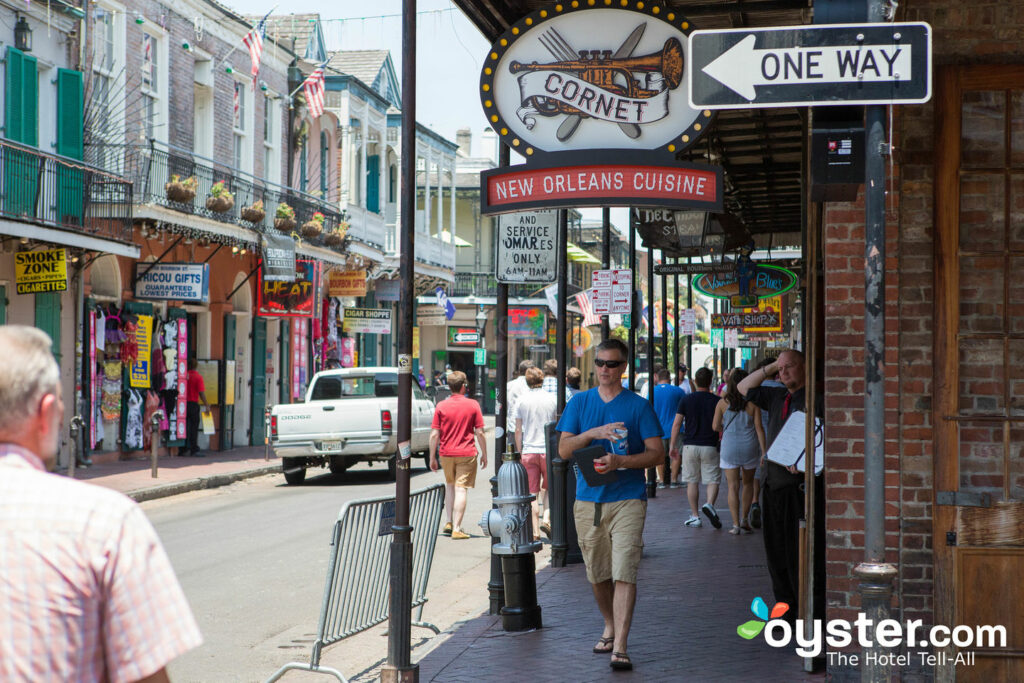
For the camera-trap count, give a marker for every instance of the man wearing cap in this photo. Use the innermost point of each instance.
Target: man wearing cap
(682, 381)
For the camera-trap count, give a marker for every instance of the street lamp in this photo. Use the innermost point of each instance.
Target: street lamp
(481, 326)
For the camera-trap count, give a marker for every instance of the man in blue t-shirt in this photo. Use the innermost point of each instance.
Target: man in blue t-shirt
(666, 403)
(700, 458)
(610, 518)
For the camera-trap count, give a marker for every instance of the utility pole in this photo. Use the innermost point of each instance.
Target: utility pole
(606, 257)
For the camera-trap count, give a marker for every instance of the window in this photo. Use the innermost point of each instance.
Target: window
(238, 126)
(271, 164)
(334, 387)
(154, 100)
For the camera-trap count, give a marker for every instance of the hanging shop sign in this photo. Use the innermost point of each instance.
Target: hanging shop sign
(387, 290)
(575, 76)
(526, 323)
(36, 272)
(674, 232)
(173, 281)
(720, 321)
(278, 258)
(463, 336)
(367, 321)
(769, 304)
(430, 316)
(138, 376)
(763, 281)
(600, 178)
(526, 247)
(346, 283)
(289, 299)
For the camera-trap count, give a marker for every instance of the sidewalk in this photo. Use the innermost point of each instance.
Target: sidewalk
(695, 588)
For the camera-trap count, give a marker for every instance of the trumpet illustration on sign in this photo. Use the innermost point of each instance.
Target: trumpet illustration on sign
(599, 84)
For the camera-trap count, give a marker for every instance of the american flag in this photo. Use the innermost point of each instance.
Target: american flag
(585, 302)
(253, 40)
(313, 89)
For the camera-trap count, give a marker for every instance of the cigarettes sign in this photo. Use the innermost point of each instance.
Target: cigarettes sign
(41, 271)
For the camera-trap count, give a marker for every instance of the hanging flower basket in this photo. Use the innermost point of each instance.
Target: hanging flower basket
(179, 190)
(221, 204)
(334, 238)
(254, 213)
(285, 225)
(311, 229)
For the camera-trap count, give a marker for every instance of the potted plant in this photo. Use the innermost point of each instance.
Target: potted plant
(254, 213)
(284, 218)
(314, 226)
(220, 200)
(336, 237)
(179, 190)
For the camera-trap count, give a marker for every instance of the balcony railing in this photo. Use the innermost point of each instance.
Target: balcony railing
(435, 251)
(63, 193)
(151, 167)
(484, 284)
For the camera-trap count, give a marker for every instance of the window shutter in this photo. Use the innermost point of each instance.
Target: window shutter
(70, 89)
(12, 95)
(373, 183)
(47, 310)
(30, 102)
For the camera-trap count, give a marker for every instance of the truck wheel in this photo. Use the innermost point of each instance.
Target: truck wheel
(294, 470)
(337, 464)
(393, 467)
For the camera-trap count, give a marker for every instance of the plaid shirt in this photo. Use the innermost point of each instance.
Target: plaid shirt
(551, 386)
(86, 590)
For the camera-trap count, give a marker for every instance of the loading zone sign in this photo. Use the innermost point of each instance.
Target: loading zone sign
(526, 247)
(810, 65)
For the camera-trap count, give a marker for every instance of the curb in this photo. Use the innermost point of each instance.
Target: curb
(211, 482)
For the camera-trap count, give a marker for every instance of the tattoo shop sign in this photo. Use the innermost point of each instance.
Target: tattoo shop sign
(526, 247)
(580, 76)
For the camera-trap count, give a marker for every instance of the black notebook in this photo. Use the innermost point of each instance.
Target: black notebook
(585, 457)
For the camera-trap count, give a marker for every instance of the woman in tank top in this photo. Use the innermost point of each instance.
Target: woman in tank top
(743, 445)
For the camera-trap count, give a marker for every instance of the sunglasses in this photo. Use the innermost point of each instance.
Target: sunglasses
(610, 364)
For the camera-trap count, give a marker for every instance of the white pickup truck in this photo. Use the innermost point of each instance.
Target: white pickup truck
(348, 416)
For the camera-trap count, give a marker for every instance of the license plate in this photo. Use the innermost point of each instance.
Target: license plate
(331, 446)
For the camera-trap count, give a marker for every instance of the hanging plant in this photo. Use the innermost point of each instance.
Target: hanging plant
(220, 200)
(179, 190)
(254, 213)
(314, 226)
(284, 218)
(336, 237)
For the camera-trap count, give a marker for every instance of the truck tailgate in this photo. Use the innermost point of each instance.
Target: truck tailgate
(344, 420)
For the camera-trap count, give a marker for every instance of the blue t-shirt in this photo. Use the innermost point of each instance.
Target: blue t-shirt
(666, 403)
(698, 410)
(587, 410)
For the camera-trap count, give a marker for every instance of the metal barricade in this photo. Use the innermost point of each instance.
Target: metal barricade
(356, 590)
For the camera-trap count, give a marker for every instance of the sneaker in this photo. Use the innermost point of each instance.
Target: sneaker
(755, 515)
(709, 510)
(693, 521)
(447, 531)
(458, 535)
(662, 486)
(675, 485)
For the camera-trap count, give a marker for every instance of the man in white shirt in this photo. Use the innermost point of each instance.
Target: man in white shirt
(534, 409)
(682, 381)
(516, 388)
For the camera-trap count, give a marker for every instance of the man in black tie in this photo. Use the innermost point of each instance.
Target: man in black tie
(783, 506)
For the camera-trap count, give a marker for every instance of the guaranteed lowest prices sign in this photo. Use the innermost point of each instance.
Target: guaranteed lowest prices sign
(36, 272)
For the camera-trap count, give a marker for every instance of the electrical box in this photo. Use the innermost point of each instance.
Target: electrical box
(837, 163)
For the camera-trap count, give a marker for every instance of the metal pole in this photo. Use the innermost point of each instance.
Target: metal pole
(563, 276)
(675, 308)
(399, 665)
(689, 304)
(875, 573)
(606, 259)
(664, 318)
(633, 313)
(652, 472)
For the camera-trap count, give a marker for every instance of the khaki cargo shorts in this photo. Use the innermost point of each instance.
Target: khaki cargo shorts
(612, 549)
(460, 471)
(701, 465)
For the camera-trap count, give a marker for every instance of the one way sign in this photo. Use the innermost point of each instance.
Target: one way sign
(810, 65)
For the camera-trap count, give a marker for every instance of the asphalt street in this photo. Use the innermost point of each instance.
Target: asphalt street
(252, 559)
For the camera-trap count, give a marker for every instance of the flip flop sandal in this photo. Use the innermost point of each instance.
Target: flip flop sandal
(622, 662)
(604, 646)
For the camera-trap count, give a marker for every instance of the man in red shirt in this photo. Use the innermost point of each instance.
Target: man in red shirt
(194, 388)
(457, 420)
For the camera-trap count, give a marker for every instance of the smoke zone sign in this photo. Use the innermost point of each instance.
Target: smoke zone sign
(810, 65)
(526, 247)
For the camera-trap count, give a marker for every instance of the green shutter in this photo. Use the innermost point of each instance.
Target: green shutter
(20, 125)
(259, 381)
(373, 183)
(3, 305)
(48, 318)
(70, 90)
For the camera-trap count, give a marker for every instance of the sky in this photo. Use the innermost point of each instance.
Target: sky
(449, 54)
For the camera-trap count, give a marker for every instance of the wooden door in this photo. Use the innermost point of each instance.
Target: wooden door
(227, 412)
(978, 417)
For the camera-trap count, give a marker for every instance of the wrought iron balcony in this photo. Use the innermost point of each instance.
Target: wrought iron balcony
(484, 284)
(63, 193)
(152, 168)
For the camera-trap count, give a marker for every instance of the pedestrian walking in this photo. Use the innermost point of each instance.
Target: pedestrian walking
(743, 445)
(682, 381)
(610, 518)
(572, 380)
(666, 405)
(551, 379)
(457, 422)
(700, 462)
(87, 590)
(535, 409)
(195, 390)
(516, 388)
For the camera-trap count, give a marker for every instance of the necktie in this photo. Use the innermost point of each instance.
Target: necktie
(785, 406)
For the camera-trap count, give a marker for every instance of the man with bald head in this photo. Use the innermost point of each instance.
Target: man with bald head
(86, 590)
(783, 489)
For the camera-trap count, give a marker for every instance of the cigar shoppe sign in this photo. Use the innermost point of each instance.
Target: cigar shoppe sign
(594, 97)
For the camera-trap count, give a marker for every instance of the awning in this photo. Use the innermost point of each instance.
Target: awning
(66, 238)
(447, 236)
(578, 255)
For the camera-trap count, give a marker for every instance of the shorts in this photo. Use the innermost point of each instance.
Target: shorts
(460, 471)
(700, 465)
(536, 466)
(612, 550)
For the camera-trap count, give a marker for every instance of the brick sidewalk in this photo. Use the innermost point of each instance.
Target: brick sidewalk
(695, 588)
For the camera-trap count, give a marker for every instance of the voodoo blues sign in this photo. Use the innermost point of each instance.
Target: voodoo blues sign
(575, 76)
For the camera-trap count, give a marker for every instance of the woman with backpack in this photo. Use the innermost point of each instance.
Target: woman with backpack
(743, 445)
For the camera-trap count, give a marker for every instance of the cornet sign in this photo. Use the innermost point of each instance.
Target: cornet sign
(573, 76)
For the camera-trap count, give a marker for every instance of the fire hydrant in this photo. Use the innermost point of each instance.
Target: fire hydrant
(512, 523)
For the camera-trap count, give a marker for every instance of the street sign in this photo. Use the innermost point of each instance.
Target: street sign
(793, 66)
(526, 247)
(612, 291)
(694, 268)
(479, 356)
(463, 336)
(538, 348)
